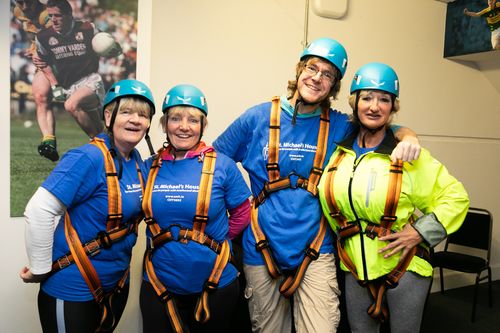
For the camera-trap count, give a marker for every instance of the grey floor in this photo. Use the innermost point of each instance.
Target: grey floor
(451, 311)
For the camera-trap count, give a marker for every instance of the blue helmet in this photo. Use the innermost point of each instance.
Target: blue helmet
(130, 88)
(330, 50)
(376, 76)
(187, 95)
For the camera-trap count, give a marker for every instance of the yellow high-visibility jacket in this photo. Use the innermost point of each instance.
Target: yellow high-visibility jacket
(360, 189)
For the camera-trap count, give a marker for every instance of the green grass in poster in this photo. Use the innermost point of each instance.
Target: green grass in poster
(27, 168)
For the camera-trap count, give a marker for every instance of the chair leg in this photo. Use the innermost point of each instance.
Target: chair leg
(489, 287)
(441, 279)
(474, 300)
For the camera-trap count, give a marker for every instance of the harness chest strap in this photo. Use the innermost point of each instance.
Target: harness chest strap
(391, 204)
(276, 183)
(202, 202)
(197, 234)
(104, 239)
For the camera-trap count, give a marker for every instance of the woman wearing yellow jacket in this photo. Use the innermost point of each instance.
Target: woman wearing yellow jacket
(372, 203)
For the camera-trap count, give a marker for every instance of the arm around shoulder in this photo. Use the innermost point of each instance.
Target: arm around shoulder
(408, 148)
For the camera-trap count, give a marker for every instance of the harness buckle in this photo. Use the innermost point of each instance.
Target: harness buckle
(261, 245)
(312, 253)
(216, 249)
(105, 239)
(98, 294)
(115, 217)
(210, 286)
(262, 196)
(349, 230)
(293, 179)
(272, 167)
(317, 171)
(370, 231)
(388, 218)
(392, 279)
(335, 214)
(200, 218)
(63, 262)
(165, 296)
(92, 247)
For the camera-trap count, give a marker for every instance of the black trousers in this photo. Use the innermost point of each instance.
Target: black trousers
(76, 317)
(222, 305)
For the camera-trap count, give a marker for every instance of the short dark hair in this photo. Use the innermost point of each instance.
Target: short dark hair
(63, 6)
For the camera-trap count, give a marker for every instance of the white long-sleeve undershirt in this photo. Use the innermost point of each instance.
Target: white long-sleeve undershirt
(42, 213)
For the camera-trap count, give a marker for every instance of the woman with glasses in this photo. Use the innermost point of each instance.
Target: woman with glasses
(195, 202)
(283, 145)
(370, 202)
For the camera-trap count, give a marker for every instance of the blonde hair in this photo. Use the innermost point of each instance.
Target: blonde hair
(179, 110)
(139, 105)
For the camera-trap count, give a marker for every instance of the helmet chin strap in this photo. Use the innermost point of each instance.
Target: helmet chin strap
(112, 150)
(299, 101)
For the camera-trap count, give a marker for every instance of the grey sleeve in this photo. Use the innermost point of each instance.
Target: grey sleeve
(431, 230)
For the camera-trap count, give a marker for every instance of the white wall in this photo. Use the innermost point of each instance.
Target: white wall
(242, 52)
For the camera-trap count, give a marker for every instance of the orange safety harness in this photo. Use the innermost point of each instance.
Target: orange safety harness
(377, 288)
(115, 232)
(277, 183)
(196, 234)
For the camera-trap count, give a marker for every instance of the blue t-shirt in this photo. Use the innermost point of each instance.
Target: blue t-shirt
(79, 182)
(360, 150)
(289, 218)
(184, 267)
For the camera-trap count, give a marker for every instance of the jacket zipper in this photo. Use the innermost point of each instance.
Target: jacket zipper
(358, 221)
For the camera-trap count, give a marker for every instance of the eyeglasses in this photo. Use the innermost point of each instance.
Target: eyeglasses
(313, 71)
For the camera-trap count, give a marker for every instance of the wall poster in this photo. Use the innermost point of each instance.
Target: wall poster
(472, 26)
(64, 54)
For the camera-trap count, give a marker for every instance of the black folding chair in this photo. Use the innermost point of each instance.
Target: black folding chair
(475, 233)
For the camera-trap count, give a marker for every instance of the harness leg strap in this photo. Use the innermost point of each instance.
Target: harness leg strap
(202, 310)
(162, 292)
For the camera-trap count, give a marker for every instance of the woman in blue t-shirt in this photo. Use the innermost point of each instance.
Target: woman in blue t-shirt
(195, 201)
(84, 259)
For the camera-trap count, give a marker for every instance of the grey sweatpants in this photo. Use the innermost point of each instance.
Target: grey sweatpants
(405, 303)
